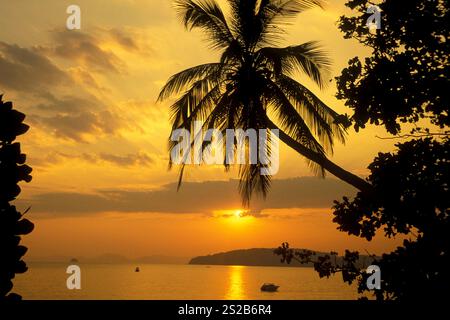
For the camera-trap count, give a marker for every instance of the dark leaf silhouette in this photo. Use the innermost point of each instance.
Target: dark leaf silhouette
(405, 80)
(12, 224)
(406, 77)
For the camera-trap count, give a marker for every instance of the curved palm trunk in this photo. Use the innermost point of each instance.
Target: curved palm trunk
(330, 166)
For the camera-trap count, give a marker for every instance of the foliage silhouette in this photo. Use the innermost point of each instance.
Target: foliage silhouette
(411, 198)
(405, 79)
(253, 80)
(12, 224)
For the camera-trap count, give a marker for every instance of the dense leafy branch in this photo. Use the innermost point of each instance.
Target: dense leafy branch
(406, 77)
(404, 80)
(12, 224)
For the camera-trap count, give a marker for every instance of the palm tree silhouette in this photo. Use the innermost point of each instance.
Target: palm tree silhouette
(253, 82)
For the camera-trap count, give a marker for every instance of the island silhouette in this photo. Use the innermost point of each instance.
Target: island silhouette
(261, 257)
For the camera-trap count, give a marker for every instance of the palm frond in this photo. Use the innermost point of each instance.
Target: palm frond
(315, 167)
(194, 104)
(233, 54)
(184, 79)
(206, 15)
(275, 14)
(251, 180)
(245, 23)
(290, 120)
(215, 118)
(307, 57)
(321, 119)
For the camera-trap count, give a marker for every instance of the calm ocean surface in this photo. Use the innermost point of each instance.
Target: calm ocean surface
(119, 281)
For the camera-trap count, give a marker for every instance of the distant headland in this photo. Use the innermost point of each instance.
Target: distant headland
(257, 257)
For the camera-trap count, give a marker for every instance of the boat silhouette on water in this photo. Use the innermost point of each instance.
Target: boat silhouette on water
(137, 269)
(269, 287)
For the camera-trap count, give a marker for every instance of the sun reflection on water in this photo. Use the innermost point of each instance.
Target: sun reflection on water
(236, 284)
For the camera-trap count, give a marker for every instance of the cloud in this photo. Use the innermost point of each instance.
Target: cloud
(125, 40)
(140, 158)
(77, 126)
(25, 69)
(93, 51)
(194, 197)
(69, 116)
(242, 214)
(85, 50)
(254, 214)
(85, 78)
(84, 110)
(66, 103)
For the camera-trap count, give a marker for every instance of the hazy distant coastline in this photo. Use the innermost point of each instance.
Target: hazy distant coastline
(113, 259)
(244, 257)
(257, 257)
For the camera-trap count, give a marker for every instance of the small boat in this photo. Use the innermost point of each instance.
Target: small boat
(269, 287)
(137, 269)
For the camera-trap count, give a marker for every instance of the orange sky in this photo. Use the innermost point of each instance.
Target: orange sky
(98, 138)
